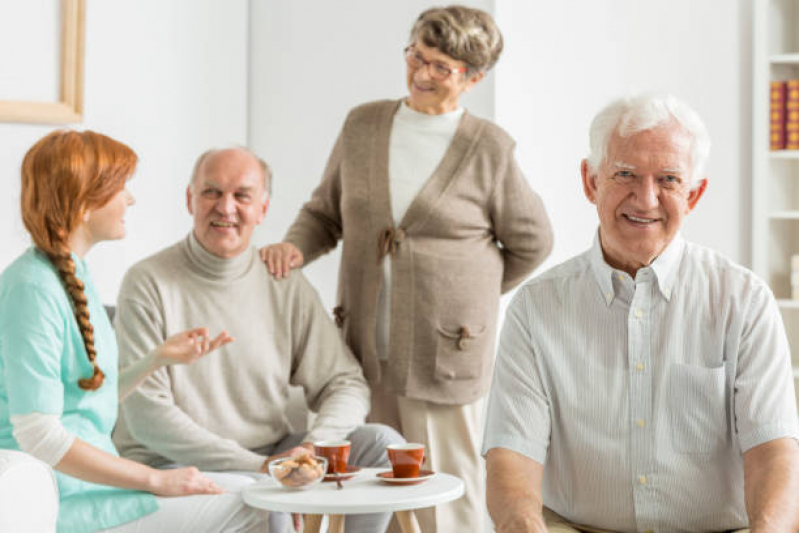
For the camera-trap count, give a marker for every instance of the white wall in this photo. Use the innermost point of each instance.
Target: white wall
(173, 78)
(311, 62)
(566, 59)
(170, 80)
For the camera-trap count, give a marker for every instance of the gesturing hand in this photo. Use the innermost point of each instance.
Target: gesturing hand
(186, 347)
(281, 258)
(181, 482)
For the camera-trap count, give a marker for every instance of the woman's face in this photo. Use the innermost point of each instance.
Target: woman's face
(107, 223)
(432, 96)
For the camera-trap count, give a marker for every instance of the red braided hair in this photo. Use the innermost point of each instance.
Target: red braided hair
(64, 175)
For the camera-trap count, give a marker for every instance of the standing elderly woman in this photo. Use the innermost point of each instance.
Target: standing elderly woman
(437, 221)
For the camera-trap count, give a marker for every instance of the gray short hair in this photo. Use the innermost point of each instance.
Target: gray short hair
(462, 33)
(265, 170)
(634, 114)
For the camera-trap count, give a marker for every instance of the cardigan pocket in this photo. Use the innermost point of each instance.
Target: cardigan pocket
(455, 303)
(460, 351)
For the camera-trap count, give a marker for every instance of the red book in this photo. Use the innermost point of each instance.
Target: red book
(792, 115)
(777, 115)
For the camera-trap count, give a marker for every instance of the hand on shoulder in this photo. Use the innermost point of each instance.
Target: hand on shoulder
(281, 258)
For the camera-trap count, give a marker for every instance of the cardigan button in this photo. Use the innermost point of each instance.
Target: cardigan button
(340, 315)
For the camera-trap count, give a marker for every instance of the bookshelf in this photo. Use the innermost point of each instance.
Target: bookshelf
(775, 174)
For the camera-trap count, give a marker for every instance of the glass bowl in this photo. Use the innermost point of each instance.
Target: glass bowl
(300, 472)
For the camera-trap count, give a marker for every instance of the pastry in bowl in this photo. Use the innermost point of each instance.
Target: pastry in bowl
(298, 472)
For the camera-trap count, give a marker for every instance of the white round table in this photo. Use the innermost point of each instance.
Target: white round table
(363, 493)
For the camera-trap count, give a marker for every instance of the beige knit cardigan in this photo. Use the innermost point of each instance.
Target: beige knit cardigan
(474, 231)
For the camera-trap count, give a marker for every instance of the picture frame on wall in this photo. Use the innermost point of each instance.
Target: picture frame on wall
(68, 109)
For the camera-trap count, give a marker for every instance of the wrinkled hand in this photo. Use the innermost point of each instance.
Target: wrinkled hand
(302, 449)
(281, 258)
(186, 347)
(181, 482)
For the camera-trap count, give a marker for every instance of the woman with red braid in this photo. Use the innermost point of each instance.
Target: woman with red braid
(59, 382)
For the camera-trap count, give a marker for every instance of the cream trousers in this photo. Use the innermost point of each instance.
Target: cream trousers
(451, 435)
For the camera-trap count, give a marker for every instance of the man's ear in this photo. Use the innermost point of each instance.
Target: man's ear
(264, 209)
(696, 193)
(188, 199)
(589, 181)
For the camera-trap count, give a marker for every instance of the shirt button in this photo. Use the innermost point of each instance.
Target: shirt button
(639, 367)
(640, 422)
(642, 480)
(639, 313)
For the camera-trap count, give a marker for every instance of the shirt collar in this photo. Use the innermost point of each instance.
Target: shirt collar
(215, 267)
(80, 265)
(602, 271)
(665, 267)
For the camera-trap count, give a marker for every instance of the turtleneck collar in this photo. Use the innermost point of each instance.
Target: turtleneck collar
(214, 267)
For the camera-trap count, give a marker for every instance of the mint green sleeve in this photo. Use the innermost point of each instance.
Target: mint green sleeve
(32, 341)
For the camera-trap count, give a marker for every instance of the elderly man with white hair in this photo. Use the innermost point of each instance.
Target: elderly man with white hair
(644, 385)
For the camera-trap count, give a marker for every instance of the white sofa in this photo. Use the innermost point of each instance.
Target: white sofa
(28, 494)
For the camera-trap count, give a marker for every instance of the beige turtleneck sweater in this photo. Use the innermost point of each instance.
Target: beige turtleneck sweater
(212, 414)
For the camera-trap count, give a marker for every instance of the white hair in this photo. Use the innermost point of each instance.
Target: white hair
(265, 170)
(633, 114)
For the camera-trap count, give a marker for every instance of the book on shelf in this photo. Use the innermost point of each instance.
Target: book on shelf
(792, 115)
(777, 113)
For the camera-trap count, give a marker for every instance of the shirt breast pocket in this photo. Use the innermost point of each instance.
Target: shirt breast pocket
(697, 405)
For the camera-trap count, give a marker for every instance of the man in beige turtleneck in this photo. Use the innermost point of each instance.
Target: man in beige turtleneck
(228, 411)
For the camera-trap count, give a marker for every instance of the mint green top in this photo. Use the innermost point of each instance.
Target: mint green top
(42, 356)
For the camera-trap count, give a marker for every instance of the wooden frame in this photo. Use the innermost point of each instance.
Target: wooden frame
(69, 108)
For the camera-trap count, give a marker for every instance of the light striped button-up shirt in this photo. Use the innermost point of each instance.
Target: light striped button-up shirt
(639, 396)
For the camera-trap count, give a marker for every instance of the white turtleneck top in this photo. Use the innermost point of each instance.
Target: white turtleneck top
(214, 413)
(417, 145)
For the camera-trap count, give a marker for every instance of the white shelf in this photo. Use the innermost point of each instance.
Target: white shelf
(788, 304)
(785, 215)
(784, 154)
(775, 235)
(784, 59)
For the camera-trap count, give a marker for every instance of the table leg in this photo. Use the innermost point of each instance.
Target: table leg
(407, 522)
(336, 524)
(313, 523)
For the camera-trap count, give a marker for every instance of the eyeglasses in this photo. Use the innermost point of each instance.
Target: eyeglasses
(437, 70)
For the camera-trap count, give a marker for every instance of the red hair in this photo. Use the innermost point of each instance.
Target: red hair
(64, 175)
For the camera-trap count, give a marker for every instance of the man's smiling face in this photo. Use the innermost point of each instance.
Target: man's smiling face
(227, 201)
(643, 190)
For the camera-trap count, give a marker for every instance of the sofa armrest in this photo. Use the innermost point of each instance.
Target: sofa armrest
(28, 493)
